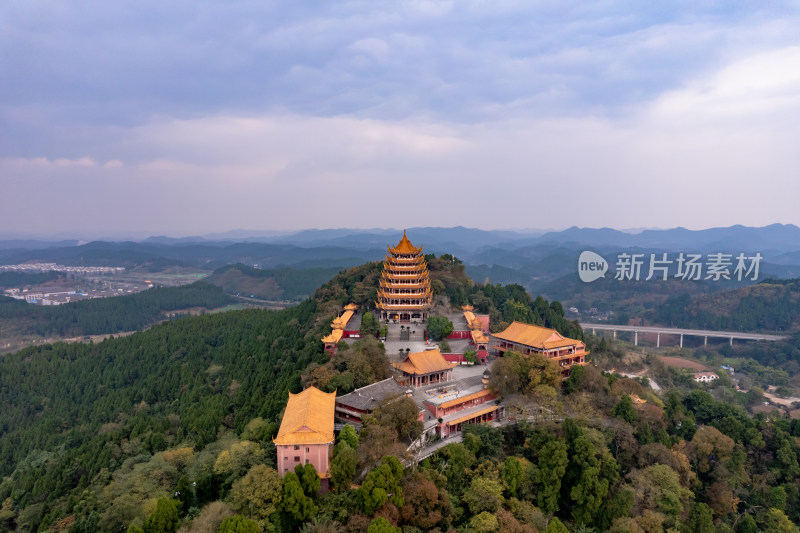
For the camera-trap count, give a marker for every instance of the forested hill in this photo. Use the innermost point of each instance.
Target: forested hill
(276, 284)
(69, 412)
(770, 306)
(109, 315)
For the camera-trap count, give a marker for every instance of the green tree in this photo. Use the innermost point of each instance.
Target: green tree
(512, 474)
(555, 526)
(591, 487)
(294, 501)
(400, 414)
(439, 327)
(238, 524)
(381, 525)
(548, 474)
(485, 522)
(484, 494)
(700, 520)
(258, 493)
(164, 518)
(381, 485)
(348, 434)
(624, 410)
(776, 521)
(309, 479)
(343, 467)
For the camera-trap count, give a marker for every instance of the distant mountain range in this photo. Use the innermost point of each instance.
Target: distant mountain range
(533, 259)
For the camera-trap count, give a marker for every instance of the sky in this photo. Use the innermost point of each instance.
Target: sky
(189, 117)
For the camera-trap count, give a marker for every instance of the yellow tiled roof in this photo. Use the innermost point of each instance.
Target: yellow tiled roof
(425, 362)
(334, 337)
(350, 307)
(472, 415)
(341, 321)
(467, 308)
(405, 247)
(534, 336)
(478, 337)
(308, 418)
(473, 396)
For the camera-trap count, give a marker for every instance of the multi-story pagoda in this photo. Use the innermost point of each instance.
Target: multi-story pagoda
(405, 288)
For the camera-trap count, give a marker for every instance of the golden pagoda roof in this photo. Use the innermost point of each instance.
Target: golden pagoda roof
(308, 418)
(334, 337)
(467, 308)
(341, 321)
(534, 336)
(425, 362)
(351, 307)
(404, 247)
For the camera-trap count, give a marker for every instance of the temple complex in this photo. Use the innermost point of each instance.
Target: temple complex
(404, 294)
(424, 368)
(306, 433)
(527, 339)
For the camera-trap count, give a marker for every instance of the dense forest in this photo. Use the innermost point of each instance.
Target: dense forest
(71, 414)
(271, 284)
(110, 315)
(773, 305)
(171, 429)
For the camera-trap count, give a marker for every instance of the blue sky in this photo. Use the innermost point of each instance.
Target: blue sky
(191, 117)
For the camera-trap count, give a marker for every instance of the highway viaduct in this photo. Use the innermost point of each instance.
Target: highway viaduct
(659, 330)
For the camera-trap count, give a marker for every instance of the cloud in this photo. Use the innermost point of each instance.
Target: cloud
(192, 118)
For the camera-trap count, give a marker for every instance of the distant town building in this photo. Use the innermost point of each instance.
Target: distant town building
(527, 339)
(404, 293)
(705, 377)
(425, 368)
(352, 407)
(306, 433)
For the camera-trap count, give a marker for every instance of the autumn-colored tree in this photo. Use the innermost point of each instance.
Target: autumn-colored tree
(425, 506)
(400, 414)
(709, 444)
(658, 488)
(258, 494)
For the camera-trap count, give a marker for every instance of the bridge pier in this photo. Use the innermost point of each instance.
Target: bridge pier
(705, 341)
(658, 340)
(731, 341)
(636, 338)
(681, 340)
(615, 334)
(594, 332)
